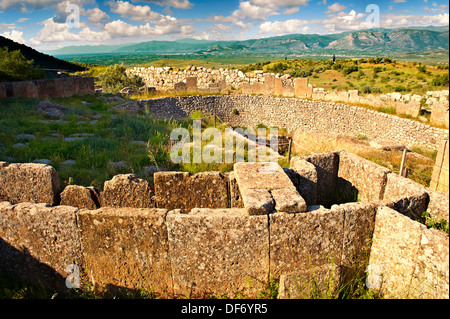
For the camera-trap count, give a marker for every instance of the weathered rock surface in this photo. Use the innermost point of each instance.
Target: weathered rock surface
(39, 242)
(265, 187)
(29, 182)
(218, 251)
(128, 190)
(51, 109)
(81, 197)
(126, 248)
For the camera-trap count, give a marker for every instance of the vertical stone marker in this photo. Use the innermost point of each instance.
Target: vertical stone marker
(265, 187)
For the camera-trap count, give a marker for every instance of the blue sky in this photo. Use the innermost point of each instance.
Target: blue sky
(50, 24)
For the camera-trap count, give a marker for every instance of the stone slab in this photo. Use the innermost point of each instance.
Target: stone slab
(80, 196)
(128, 190)
(218, 251)
(29, 182)
(299, 242)
(38, 242)
(367, 177)
(394, 253)
(126, 248)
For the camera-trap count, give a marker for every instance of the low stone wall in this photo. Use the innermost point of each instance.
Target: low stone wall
(180, 249)
(298, 114)
(47, 88)
(270, 84)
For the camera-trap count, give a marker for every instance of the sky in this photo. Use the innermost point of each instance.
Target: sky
(50, 24)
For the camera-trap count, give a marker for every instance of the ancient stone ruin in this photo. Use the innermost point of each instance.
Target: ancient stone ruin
(328, 219)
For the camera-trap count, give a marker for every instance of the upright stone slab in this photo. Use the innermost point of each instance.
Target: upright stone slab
(305, 179)
(80, 196)
(439, 113)
(218, 251)
(191, 83)
(265, 186)
(178, 190)
(431, 275)
(299, 242)
(29, 182)
(278, 87)
(128, 190)
(39, 243)
(126, 248)
(301, 87)
(367, 177)
(327, 165)
(394, 253)
(180, 86)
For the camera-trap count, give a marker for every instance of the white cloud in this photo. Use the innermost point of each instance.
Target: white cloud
(179, 4)
(135, 13)
(399, 1)
(14, 35)
(23, 5)
(335, 7)
(291, 10)
(283, 27)
(394, 20)
(97, 16)
(23, 20)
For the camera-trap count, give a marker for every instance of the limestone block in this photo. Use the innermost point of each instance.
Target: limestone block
(358, 231)
(265, 186)
(431, 275)
(278, 87)
(316, 283)
(38, 242)
(411, 108)
(220, 251)
(299, 242)
(367, 177)
(25, 89)
(439, 113)
(440, 176)
(126, 248)
(327, 165)
(288, 90)
(81, 197)
(191, 83)
(127, 190)
(394, 254)
(180, 86)
(178, 190)
(305, 179)
(235, 194)
(29, 182)
(47, 88)
(301, 87)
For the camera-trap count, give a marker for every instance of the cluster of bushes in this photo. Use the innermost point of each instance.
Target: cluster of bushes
(115, 78)
(440, 80)
(14, 67)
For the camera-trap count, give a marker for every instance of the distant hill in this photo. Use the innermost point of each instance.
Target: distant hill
(42, 60)
(373, 41)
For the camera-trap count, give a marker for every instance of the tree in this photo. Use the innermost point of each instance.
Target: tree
(14, 67)
(115, 78)
(334, 59)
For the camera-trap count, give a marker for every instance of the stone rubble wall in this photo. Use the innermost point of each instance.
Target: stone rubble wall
(184, 249)
(260, 83)
(297, 114)
(48, 88)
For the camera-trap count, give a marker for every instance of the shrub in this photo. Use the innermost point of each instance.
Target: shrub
(14, 67)
(115, 78)
(349, 69)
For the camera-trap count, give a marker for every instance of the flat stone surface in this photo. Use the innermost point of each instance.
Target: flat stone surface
(299, 242)
(220, 251)
(128, 190)
(265, 187)
(126, 248)
(38, 242)
(394, 252)
(29, 182)
(79, 196)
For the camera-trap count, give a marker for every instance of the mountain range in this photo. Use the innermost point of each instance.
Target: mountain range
(370, 41)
